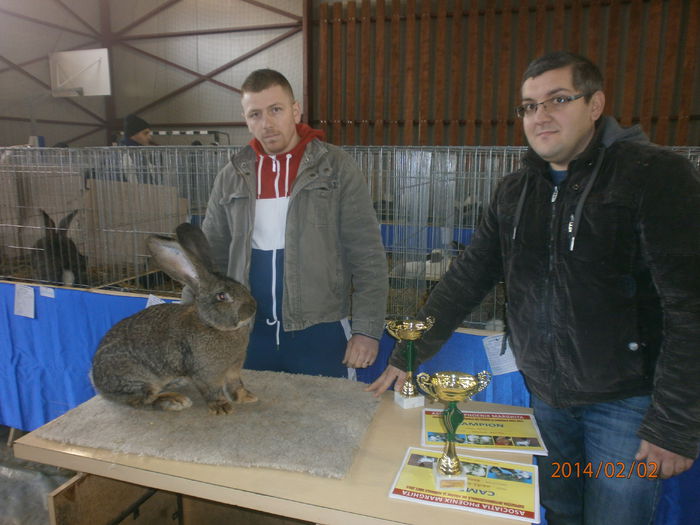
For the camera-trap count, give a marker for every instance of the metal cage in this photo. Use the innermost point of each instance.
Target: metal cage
(91, 210)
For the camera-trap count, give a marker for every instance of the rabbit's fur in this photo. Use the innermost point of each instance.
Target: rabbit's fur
(204, 341)
(56, 258)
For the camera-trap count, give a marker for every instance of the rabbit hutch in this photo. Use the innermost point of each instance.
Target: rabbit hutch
(98, 205)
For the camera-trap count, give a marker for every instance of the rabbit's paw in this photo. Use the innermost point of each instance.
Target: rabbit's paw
(220, 406)
(172, 401)
(243, 395)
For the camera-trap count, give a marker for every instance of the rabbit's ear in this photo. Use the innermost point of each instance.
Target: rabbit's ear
(65, 222)
(193, 240)
(48, 221)
(175, 260)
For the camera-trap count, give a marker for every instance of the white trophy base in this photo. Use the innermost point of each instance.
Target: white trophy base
(409, 402)
(445, 482)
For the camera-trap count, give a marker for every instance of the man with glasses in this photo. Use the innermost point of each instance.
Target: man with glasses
(597, 238)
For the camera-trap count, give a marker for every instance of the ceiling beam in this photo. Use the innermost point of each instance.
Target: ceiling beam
(220, 69)
(215, 31)
(45, 23)
(268, 7)
(77, 16)
(147, 17)
(181, 68)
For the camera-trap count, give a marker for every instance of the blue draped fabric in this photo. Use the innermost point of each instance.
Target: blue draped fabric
(46, 360)
(45, 363)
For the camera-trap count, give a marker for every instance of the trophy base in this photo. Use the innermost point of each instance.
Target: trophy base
(446, 482)
(408, 402)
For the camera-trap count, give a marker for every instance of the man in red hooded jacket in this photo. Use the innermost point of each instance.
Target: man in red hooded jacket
(291, 217)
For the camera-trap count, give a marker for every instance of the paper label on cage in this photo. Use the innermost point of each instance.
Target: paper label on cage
(24, 300)
(152, 299)
(47, 291)
(502, 362)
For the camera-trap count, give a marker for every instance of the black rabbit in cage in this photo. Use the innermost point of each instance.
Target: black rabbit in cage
(55, 258)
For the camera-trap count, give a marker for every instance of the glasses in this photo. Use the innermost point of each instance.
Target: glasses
(551, 105)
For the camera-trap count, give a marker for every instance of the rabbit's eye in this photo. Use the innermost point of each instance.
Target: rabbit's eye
(221, 296)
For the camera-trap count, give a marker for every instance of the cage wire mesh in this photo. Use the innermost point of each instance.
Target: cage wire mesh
(81, 217)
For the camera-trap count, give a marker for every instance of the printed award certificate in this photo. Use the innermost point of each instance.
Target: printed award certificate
(502, 431)
(497, 488)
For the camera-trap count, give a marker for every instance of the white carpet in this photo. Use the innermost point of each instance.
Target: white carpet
(300, 423)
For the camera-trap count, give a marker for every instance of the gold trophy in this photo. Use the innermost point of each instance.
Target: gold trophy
(451, 387)
(409, 330)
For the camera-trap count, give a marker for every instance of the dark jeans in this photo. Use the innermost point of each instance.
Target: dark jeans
(590, 476)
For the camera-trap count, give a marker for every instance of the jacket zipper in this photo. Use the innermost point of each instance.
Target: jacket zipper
(552, 219)
(550, 290)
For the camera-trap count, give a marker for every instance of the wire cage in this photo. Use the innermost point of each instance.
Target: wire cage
(429, 202)
(81, 217)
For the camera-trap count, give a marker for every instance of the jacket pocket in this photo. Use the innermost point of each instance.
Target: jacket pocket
(605, 230)
(237, 208)
(319, 202)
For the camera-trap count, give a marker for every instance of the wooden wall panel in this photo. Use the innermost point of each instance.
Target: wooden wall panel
(456, 78)
(337, 71)
(505, 95)
(472, 61)
(651, 40)
(395, 83)
(634, 41)
(488, 89)
(424, 63)
(688, 92)
(593, 33)
(351, 117)
(668, 72)
(409, 80)
(541, 27)
(613, 50)
(323, 50)
(521, 59)
(429, 72)
(379, 73)
(366, 47)
(574, 44)
(442, 83)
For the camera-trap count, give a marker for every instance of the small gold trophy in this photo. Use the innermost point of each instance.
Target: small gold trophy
(451, 387)
(409, 330)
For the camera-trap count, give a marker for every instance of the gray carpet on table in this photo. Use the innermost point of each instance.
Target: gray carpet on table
(300, 423)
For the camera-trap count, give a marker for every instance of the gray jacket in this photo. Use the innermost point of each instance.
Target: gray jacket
(334, 263)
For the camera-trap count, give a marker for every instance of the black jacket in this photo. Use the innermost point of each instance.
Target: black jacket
(602, 278)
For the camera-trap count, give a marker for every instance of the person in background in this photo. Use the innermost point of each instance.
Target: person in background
(137, 132)
(291, 217)
(141, 167)
(597, 237)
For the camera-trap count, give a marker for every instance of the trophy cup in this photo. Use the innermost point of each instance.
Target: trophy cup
(409, 330)
(451, 387)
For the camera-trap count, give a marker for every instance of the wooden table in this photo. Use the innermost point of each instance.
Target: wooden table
(360, 498)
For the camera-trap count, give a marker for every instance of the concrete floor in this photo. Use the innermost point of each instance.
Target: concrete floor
(24, 486)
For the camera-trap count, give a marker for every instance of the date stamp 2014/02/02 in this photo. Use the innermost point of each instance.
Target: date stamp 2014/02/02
(608, 469)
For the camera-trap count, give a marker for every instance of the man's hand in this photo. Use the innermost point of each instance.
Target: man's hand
(669, 463)
(390, 376)
(361, 351)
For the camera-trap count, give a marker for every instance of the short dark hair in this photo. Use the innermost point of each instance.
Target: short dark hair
(261, 79)
(586, 76)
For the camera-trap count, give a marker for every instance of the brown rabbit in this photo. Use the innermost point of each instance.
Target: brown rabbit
(204, 341)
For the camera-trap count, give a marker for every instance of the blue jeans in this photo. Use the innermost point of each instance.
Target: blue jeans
(584, 479)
